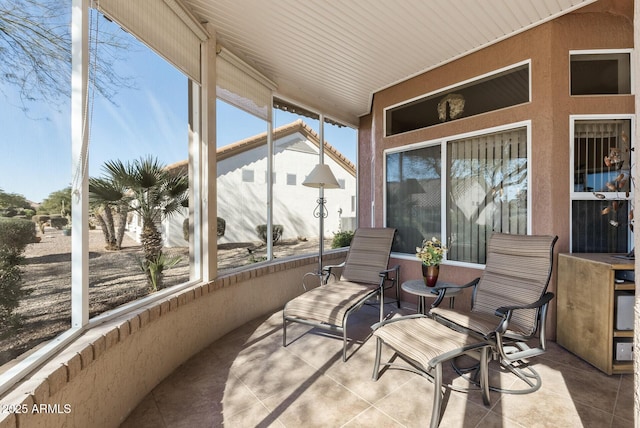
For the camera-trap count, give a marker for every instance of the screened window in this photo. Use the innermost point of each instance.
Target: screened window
(485, 180)
(291, 179)
(601, 73)
(601, 185)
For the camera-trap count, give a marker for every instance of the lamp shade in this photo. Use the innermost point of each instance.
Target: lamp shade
(321, 176)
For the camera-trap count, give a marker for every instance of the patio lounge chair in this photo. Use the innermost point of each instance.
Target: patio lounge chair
(364, 275)
(509, 303)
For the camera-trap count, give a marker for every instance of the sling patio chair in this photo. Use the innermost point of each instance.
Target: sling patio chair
(364, 276)
(509, 303)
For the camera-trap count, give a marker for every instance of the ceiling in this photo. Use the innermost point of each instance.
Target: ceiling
(331, 56)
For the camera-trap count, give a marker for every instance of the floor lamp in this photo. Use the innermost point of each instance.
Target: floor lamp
(321, 178)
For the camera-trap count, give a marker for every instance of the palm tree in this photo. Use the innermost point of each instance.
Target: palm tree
(155, 193)
(106, 196)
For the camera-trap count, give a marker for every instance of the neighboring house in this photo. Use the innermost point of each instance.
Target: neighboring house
(242, 188)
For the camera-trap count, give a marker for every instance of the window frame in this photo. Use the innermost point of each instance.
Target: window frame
(442, 142)
(604, 52)
(591, 196)
(453, 87)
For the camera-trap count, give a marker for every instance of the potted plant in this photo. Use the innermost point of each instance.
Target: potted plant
(431, 254)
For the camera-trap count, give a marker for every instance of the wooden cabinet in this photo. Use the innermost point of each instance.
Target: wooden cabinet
(592, 289)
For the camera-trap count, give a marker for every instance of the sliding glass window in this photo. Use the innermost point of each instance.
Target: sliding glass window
(462, 189)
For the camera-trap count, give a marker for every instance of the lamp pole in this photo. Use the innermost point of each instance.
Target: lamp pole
(321, 177)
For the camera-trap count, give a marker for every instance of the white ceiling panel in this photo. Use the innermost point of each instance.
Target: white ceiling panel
(333, 55)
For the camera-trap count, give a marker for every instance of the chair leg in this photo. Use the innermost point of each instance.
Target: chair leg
(484, 375)
(344, 342)
(376, 365)
(284, 331)
(437, 396)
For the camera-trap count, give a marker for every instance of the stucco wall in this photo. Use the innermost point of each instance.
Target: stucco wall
(101, 377)
(604, 25)
(244, 204)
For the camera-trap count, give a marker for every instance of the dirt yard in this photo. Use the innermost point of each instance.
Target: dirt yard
(114, 279)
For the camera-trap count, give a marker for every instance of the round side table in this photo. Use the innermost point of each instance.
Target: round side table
(418, 288)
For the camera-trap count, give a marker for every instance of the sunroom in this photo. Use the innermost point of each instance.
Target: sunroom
(471, 119)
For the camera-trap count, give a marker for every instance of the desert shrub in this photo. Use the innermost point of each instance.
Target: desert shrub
(222, 226)
(15, 234)
(185, 229)
(276, 232)
(58, 222)
(9, 212)
(342, 239)
(40, 220)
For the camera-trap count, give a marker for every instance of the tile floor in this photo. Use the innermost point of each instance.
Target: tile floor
(247, 379)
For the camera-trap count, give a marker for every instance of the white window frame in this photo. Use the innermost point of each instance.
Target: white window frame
(605, 52)
(442, 142)
(453, 87)
(591, 196)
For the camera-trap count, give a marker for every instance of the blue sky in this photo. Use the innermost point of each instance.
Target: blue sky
(152, 119)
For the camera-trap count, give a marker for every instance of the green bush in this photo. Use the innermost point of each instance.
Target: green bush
(9, 212)
(276, 232)
(342, 239)
(222, 226)
(15, 234)
(58, 222)
(40, 218)
(185, 229)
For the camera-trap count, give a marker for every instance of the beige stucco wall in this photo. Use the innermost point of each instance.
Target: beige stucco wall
(102, 376)
(607, 24)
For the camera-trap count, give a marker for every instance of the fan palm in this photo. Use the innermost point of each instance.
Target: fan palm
(155, 193)
(106, 196)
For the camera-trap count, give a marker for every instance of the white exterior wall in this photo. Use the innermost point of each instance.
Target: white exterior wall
(243, 204)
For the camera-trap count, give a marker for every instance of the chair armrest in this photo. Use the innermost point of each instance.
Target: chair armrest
(385, 276)
(385, 273)
(441, 290)
(504, 311)
(327, 271)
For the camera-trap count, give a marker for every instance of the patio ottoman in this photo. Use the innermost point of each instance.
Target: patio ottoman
(425, 345)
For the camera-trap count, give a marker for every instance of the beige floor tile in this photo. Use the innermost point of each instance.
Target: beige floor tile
(546, 409)
(372, 417)
(146, 415)
(496, 420)
(321, 403)
(254, 416)
(624, 403)
(248, 379)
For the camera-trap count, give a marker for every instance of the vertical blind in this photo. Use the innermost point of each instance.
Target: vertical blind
(486, 191)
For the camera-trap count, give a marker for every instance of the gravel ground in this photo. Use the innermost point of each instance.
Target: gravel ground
(114, 279)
